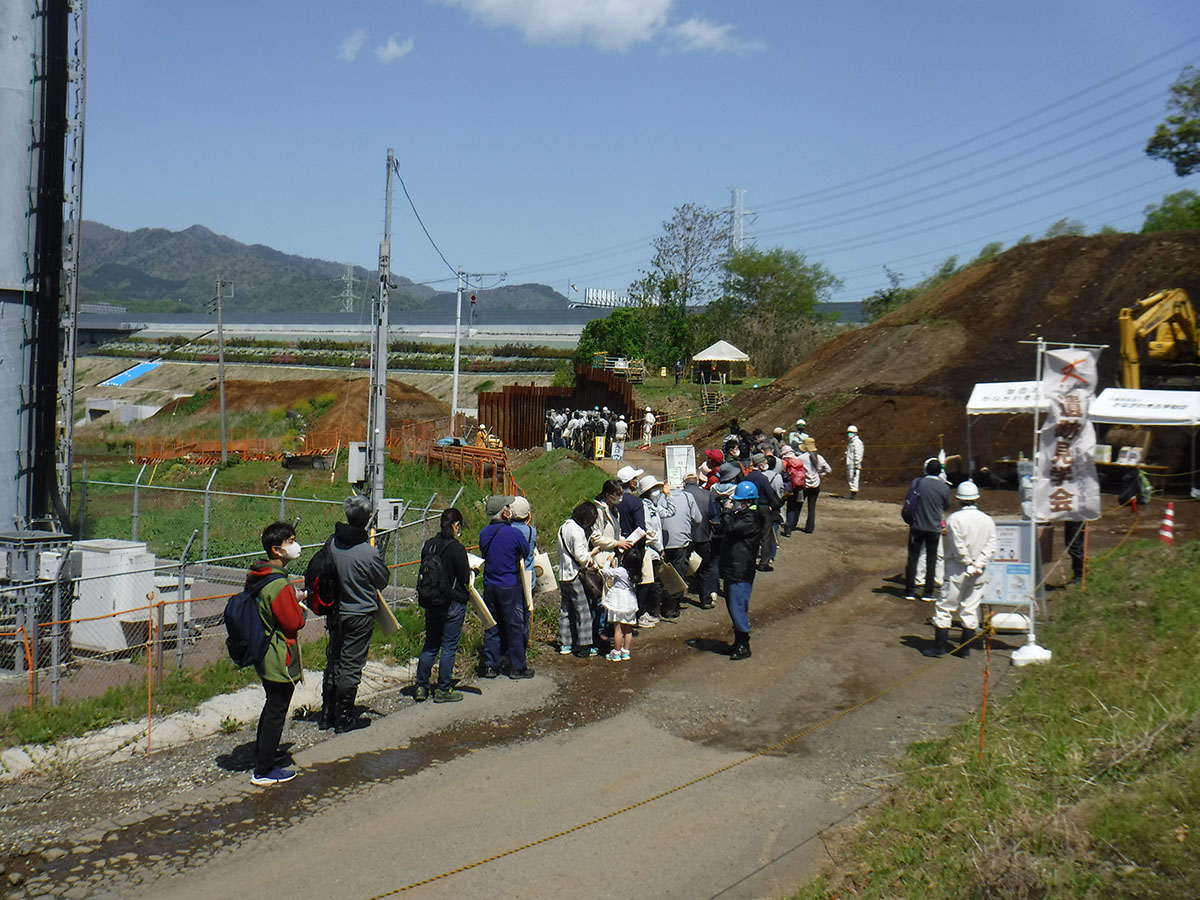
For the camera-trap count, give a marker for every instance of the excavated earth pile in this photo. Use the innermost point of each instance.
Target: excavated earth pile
(905, 379)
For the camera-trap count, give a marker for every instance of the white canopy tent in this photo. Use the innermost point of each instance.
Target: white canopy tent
(721, 351)
(720, 362)
(1123, 406)
(998, 397)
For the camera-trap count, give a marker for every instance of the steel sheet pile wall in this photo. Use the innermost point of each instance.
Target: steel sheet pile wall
(517, 414)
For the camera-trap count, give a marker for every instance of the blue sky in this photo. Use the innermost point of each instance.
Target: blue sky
(549, 139)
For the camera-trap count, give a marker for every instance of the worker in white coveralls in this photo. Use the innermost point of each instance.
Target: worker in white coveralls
(647, 428)
(854, 459)
(970, 544)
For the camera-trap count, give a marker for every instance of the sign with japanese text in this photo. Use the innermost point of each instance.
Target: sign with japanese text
(1066, 487)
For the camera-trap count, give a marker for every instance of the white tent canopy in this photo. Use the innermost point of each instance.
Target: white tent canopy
(1122, 406)
(721, 351)
(1005, 397)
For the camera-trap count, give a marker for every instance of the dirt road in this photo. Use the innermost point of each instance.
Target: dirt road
(431, 789)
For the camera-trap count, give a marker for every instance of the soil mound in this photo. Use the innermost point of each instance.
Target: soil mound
(347, 413)
(905, 379)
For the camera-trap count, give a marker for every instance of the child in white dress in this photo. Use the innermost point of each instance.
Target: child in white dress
(620, 599)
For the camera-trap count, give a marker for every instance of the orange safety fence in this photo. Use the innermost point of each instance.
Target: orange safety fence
(204, 447)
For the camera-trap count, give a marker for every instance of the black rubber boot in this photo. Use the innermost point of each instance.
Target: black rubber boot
(941, 644)
(328, 708)
(741, 646)
(964, 652)
(347, 718)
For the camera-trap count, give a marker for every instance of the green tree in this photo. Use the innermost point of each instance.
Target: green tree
(769, 306)
(1177, 212)
(621, 333)
(1066, 227)
(1177, 140)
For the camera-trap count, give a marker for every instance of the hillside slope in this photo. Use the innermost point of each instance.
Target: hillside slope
(905, 379)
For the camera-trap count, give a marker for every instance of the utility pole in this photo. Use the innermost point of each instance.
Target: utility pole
(221, 362)
(377, 413)
(457, 346)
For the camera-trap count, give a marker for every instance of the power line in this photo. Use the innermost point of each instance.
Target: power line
(432, 242)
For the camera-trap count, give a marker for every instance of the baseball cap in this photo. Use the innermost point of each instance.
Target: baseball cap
(496, 503)
(626, 474)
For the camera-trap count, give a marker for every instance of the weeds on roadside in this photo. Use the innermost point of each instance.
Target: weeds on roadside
(1090, 781)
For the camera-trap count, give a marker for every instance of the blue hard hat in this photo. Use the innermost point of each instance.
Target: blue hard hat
(745, 491)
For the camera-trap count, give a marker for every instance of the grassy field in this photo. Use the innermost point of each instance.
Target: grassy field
(1089, 786)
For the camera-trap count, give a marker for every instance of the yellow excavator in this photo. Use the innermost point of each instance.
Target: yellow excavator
(1172, 360)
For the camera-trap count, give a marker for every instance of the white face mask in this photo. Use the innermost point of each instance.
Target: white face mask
(291, 550)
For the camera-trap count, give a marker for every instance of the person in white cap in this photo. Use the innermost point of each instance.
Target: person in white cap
(797, 435)
(656, 506)
(629, 509)
(970, 544)
(647, 428)
(854, 459)
(620, 431)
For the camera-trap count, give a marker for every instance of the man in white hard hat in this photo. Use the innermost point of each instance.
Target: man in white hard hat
(854, 459)
(647, 428)
(970, 544)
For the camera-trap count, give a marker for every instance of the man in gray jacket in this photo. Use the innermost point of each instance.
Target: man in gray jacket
(930, 500)
(678, 524)
(362, 573)
(706, 576)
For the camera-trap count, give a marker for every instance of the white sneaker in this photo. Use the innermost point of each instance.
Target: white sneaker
(647, 621)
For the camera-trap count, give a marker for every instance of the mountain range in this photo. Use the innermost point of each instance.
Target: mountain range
(156, 270)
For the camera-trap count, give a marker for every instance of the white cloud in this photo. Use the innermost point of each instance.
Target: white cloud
(701, 34)
(394, 50)
(606, 24)
(352, 43)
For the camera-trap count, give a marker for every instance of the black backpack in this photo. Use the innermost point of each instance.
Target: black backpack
(321, 581)
(912, 501)
(433, 584)
(247, 639)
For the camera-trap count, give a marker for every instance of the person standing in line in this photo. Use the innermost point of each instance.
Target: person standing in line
(854, 459)
(503, 548)
(444, 622)
(741, 526)
(768, 504)
(794, 478)
(620, 430)
(970, 544)
(282, 617)
(656, 504)
(522, 520)
(932, 499)
(677, 528)
(362, 574)
(630, 514)
(605, 538)
(706, 580)
(575, 633)
(620, 600)
(814, 467)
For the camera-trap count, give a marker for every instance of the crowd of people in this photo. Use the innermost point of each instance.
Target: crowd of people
(581, 430)
(627, 559)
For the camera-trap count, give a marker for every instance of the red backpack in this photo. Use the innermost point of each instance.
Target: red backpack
(794, 466)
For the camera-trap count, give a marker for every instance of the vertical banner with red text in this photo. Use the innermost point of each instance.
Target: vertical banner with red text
(1066, 487)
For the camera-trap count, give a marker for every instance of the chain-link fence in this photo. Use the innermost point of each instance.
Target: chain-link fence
(138, 599)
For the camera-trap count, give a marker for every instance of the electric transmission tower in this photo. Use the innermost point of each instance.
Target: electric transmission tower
(347, 296)
(737, 218)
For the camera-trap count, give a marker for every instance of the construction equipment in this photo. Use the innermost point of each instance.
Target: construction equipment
(1172, 360)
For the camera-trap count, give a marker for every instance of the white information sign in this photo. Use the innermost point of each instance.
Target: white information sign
(1066, 486)
(680, 459)
(1010, 580)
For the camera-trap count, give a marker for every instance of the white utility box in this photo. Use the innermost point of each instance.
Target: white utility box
(115, 577)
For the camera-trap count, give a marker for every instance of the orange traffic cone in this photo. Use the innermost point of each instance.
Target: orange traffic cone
(1166, 531)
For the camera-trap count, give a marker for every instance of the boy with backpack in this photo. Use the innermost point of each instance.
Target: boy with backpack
(442, 592)
(279, 668)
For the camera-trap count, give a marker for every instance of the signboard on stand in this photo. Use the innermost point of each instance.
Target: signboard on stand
(1011, 581)
(680, 459)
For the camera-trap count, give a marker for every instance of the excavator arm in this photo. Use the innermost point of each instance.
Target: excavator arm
(1170, 316)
